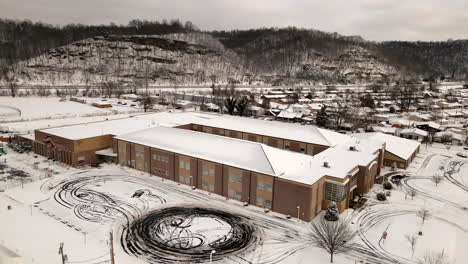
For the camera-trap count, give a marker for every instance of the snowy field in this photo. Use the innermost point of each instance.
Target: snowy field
(158, 221)
(23, 115)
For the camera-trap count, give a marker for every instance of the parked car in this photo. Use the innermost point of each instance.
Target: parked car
(462, 154)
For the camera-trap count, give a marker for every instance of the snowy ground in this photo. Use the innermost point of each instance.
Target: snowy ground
(157, 221)
(25, 114)
(446, 230)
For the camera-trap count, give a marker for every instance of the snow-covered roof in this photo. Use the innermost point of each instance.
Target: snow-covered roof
(258, 157)
(307, 134)
(400, 147)
(414, 131)
(127, 125)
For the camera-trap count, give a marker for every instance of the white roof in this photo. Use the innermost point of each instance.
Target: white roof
(414, 131)
(400, 147)
(127, 125)
(258, 157)
(307, 134)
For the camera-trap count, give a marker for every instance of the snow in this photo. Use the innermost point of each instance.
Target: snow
(234, 152)
(128, 125)
(259, 157)
(400, 147)
(40, 108)
(283, 241)
(307, 134)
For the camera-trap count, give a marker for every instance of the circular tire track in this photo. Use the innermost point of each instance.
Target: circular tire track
(177, 234)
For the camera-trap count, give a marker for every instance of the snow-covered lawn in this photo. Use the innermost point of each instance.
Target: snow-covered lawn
(446, 230)
(79, 205)
(147, 214)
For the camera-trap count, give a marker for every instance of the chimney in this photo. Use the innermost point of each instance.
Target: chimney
(352, 148)
(325, 164)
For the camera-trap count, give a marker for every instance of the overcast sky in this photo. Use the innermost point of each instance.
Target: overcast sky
(371, 19)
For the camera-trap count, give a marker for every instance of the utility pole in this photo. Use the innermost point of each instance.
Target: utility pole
(111, 244)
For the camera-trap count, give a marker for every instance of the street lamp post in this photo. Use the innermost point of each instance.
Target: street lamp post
(211, 255)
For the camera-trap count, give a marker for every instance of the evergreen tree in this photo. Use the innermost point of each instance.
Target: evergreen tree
(332, 213)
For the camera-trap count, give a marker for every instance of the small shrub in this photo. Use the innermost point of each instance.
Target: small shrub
(387, 185)
(381, 196)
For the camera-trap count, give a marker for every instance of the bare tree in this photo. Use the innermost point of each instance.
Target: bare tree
(412, 240)
(241, 105)
(332, 237)
(436, 179)
(434, 258)
(405, 95)
(424, 214)
(230, 103)
(412, 193)
(147, 102)
(339, 112)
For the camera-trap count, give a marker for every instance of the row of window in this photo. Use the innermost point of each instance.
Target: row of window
(186, 180)
(263, 202)
(210, 172)
(234, 194)
(122, 149)
(161, 158)
(235, 178)
(264, 186)
(139, 153)
(334, 192)
(184, 165)
(208, 186)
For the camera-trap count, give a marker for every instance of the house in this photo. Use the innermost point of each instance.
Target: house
(414, 133)
(430, 127)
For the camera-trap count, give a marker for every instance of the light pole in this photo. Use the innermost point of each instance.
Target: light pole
(298, 210)
(211, 255)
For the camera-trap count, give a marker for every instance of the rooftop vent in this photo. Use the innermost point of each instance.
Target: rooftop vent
(352, 148)
(325, 164)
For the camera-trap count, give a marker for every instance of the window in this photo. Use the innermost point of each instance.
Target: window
(231, 193)
(310, 151)
(280, 146)
(212, 172)
(212, 187)
(232, 177)
(205, 171)
(334, 192)
(269, 187)
(181, 164)
(239, 179)
(187, 165)
(259, 201)
(181, 178)
(268, 203)
(139, 165)
(260, 185)
(188, 180)
(402, 165)
(205, 185)
(239, 195)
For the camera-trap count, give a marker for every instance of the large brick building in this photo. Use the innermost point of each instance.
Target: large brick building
(292, 169)
(283, 181)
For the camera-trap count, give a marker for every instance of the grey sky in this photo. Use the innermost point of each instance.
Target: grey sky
(372, 19)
